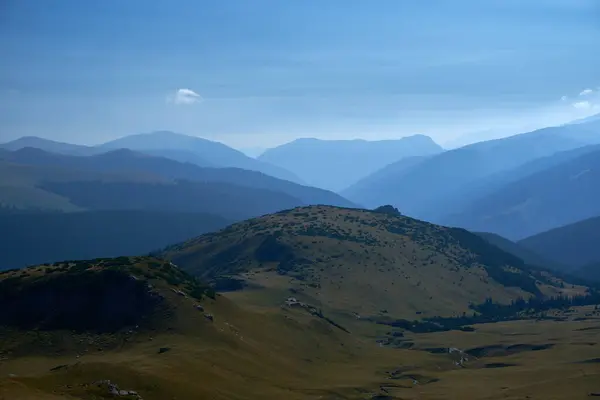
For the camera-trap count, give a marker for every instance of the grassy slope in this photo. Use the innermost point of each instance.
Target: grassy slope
(355, 261)
(280, 353)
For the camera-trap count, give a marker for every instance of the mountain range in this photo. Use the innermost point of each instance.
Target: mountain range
(90, 198)
(337, 164)
(179, 147)
(313, 302)
(557, 196)
(417, 190)
(514, 187)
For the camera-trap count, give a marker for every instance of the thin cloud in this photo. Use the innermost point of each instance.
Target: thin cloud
(586, 92)
(184, 96)
(582, 105)
(564, 98)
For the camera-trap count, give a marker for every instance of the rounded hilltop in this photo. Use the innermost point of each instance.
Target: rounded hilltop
(360, 261)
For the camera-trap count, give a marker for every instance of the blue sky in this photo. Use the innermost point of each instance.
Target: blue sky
(262, 72)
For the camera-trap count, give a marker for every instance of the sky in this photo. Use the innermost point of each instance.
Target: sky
(259, 73)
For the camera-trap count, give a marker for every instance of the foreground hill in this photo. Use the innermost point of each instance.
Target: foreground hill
(124, 160)
(141, 328)
(574, 245)
(417, 190)
(30, 238)
(357, 261)
(337, 164)
(554, 197)
(176, 145)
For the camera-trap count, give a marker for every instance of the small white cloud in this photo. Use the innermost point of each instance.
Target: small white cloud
(564, 98)
(184, 96)
(582, 105)
(586, 92)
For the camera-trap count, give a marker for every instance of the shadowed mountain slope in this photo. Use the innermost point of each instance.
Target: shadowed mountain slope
(574, 245)
(554, 197)
(124, 160)
(30, 238)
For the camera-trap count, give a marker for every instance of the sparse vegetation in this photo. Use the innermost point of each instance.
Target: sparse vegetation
(342, 283)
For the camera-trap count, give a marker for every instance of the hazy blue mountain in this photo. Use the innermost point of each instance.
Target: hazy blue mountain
(575, 244)
(44, 188)
(521, 251)
(590, 272)
(593, 118)
(125, 160)
(183, 156)
(443, 184)
(217, 154)
(40, 237)
(49, 145)
(337, 164)
(554, 197)
(493, 183)
(376, 186)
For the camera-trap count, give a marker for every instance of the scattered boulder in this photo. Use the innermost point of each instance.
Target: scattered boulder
(114, 390)
(163, 350)
(292, 301)
(209, 317)
(199, 308)
(459, 356)
(179, 292)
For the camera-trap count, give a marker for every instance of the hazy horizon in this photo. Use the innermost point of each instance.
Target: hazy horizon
(270, 72)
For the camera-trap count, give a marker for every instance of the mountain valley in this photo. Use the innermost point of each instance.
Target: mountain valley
(310, 303)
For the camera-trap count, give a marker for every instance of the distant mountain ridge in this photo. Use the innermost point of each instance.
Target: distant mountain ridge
(125, 160)
(337, 164)
(178, 147)
(557, 196)
(214, 153)
(419, 190)
(123, 179)
(50, 146)
(575, 245)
